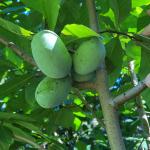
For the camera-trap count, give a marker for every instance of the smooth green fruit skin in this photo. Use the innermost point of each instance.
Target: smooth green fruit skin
(88, 56)
(50, 54)
(52, 92)
(83, 78)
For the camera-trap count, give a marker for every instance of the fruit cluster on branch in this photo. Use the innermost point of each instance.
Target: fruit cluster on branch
(61, 68)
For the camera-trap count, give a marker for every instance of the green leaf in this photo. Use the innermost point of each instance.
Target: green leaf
(106, 22)
(49, 8)
(77, 14)
(56, 146)
(138, 3)
(64, 118)
(143, 41)
(123, 89)
(143, 18)
(35, 128)
(129, 23)
(16, 34)
(73, 32)
(29, 126)
(146, 96)
(6, 138)
(33, 25)
(21, 135)
(15, 29)
(79, 114)
(4, 66)
(81, 145)
(77, 123)
(12, 57)
(13, 84)
(144, 70)
(134, 52)
(114, 59)
(121, 9)
(13, 116)
(30, 93)
(142, 22)
(145, 63)
(102, 5)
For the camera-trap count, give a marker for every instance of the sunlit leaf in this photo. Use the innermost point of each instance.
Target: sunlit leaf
(121, 9)
(73, 32)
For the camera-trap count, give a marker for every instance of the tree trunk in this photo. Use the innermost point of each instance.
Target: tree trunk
(110, 115)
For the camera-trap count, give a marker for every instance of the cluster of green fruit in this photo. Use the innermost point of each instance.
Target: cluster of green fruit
(54, 60)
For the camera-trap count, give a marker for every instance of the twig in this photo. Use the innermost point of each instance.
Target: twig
(142, 114)
(118, 32)
(18, 51)
(126, 96)
(129, 35)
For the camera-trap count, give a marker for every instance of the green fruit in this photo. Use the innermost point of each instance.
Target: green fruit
(83, 78)
(51, 92)
(88, 56)
(50, 54)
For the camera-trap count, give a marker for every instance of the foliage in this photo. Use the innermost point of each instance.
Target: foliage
(77, 123)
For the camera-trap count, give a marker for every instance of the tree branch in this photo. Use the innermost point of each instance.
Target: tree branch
(126, 96)
(129, 35)
(118, 32)
(18, 51)
(110, 114)
(140, 107)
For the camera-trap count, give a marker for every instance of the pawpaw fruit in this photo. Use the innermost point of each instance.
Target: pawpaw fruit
(88, 56)
(50, 54)
(83, 78)
(51, 92)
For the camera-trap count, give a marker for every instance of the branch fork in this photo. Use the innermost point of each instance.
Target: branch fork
(126, 96)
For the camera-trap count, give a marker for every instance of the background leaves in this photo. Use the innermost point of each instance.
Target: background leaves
(70, 125)
(48, 8)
